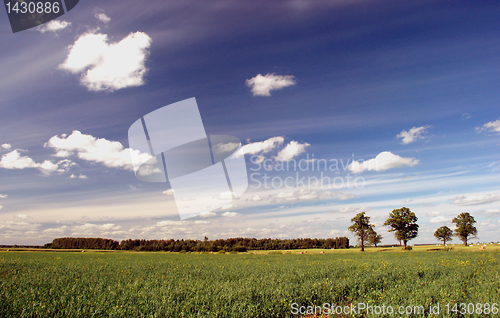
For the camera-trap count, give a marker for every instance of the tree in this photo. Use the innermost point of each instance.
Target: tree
(465, 226)
(403, 223)
(444, 234)
(374, 238)
(361, 227)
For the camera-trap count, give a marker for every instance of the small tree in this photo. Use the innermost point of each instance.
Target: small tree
(374, 238)
(444, 234)
(361, 227)
(465, 226)
(403, 223)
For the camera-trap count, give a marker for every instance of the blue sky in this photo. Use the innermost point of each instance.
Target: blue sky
(414, 83)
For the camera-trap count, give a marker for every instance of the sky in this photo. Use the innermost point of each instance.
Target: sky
(341, 107)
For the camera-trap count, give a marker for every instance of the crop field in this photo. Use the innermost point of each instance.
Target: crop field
(158, 284)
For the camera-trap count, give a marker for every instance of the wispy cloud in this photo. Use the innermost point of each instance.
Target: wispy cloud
(475, 200)
(53, 26)
(262, 85)
(413, 134)
(291, 150)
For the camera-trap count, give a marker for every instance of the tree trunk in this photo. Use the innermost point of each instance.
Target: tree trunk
(465, 242)
(404, 241)
(362, 245)
(444, 242)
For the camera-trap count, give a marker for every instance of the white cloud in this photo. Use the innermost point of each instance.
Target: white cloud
(466, 116)
(407, 201)
(168, 192)
(14, 160)
(291, 150)
(207, 214)
(226, 147)
(475, 200)
(81, 176)
(492, 126)
(351, 210)
(262, 146)
(22, 216)
(227, 206)
(413, 134)
(384, 161)
(439, 219)
(256, 198)
(109, 153)
(53, 26)
(230, 214)
(346, 196)
(108, 66)
(101, 16)
(262, 85)
(3, 196)
(201, 222)
(6, 146)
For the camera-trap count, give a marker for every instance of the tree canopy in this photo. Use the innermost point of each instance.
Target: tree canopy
(444, 234)
(362, 228)
(403, 223)
(464, 223)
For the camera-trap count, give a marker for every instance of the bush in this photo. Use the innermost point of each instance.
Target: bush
(408, 248)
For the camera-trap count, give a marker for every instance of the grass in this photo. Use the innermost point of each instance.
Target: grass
(142, 284)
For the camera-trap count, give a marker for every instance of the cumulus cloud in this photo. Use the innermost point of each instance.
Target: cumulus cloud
(53, 26)
(6, 146)
(407, 201)
(98, 150)
(230, 214)
(3, 196)
(108, 66)
(262, 85)
(413, 134)
(475, 200)
(492, 127)
(383, 161)
(14, 160)
(22, 216)
(291, 150)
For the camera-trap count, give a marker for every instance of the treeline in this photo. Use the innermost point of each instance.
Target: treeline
(238, 244)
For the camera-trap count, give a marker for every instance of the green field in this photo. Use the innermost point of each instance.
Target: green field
(149, 284)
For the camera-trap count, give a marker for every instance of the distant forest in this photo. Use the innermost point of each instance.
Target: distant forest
(238, 244)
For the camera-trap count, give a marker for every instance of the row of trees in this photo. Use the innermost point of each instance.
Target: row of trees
(238, 244)
(403, 223)
(465, 228)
